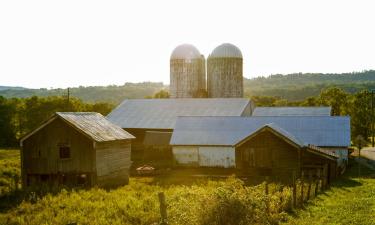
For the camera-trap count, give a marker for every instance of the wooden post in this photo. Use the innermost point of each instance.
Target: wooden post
(317, 181)
(163, 209)
(323, 177)
(294, 190)
(309, 188)
(266, 187)
(302, 186)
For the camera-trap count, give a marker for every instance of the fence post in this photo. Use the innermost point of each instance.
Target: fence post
(163, 209)
(294, 190)
(302, 186)
(266, 188)
(309, 188)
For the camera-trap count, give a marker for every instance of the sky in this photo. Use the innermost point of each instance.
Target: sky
(70, 43)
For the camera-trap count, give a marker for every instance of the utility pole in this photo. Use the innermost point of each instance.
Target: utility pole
(68, 95)
(372, 117)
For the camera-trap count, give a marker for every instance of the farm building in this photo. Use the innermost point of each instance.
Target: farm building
(74, 149)
(272, 146)
(292, 111)
(152, 121)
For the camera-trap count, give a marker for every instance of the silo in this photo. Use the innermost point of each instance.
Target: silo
(224, 72)
(187, 76)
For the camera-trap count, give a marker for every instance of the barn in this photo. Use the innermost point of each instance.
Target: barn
(76, 149)
(269, 146)
(152, 122)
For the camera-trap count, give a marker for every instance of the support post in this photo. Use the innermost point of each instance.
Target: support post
(294, 190)
(309, 188)
(317, 181)
(302, 186)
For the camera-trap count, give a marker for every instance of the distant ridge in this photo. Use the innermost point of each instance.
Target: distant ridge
(293, 87)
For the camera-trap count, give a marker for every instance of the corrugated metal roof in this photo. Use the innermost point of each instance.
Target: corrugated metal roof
(292, 111)
(95, 126)
(162, 113)
(319, 131)
(157, 138)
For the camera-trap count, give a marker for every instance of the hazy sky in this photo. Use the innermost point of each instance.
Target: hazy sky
(71, 43)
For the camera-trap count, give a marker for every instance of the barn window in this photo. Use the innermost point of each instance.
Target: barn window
(64, 152)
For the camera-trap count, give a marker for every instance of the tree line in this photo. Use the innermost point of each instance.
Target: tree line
(18, 116)
(343, 103)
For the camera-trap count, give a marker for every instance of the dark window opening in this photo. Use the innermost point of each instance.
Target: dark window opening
(44, 177)
(64, 152)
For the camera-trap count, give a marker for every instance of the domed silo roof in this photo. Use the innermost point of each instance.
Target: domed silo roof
(226, 50)
(185, 51)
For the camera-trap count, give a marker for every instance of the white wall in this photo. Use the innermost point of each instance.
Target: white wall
(205, 156)
(185, 155)
(217, 157)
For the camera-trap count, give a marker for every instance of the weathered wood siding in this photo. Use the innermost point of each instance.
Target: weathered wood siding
(186, 155)
(113, 162)
(140, 154)
(205, 156)
(41, 151)
(216, 156)
(267, 154)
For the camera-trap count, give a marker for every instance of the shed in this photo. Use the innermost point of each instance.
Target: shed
(76, 149)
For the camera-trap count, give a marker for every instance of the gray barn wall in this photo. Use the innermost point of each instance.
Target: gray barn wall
(113, 162)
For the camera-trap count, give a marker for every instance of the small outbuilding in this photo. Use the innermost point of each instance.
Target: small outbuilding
(76, 149)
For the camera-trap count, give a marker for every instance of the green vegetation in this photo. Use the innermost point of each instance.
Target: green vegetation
(9, 171)
(20, 116)
(292, 87)
(113, 94)
(299, 86)
(351, 200)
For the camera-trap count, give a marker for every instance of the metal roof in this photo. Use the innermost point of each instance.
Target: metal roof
(185, 51)
(323, 131)
(226, 50)
(163, 113)
(292, 111)
(95, 126)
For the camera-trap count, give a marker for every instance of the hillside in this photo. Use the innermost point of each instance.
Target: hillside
(299, 86)
(291, 87)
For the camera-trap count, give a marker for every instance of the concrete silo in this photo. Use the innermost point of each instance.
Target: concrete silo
(187, 72)
(224, 72)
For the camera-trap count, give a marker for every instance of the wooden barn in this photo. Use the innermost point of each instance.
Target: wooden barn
(262, 146)
(76, 149)
(152, 121)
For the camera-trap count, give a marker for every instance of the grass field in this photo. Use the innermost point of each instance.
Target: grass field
(351, 200)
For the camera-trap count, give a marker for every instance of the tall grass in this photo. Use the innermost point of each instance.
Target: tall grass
(210, 202)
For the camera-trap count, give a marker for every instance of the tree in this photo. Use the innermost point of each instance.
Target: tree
(336, 98)
(360, 112)
(7, 126)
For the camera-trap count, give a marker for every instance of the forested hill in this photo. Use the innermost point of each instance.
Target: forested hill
(299, 86)
(291, 87)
